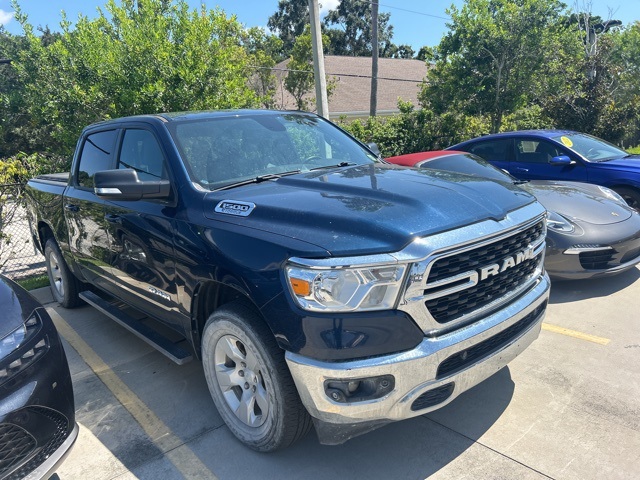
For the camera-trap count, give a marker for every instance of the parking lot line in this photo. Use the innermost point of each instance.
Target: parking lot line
(184, 460)
(575, 334)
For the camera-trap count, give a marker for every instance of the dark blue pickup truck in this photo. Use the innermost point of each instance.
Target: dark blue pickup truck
(317, 284)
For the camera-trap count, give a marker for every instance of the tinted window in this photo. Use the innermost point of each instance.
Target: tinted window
(493, 150)
(141, 152)
(535, 151)
(97, 153)
(469, 165)
(592, 148)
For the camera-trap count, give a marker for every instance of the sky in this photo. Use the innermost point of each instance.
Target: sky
(415, 22)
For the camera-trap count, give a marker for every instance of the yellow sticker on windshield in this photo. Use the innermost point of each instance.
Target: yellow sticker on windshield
(566, 141)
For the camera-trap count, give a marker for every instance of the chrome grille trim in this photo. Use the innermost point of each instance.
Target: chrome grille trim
(413, 300)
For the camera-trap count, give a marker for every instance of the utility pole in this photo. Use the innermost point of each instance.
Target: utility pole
(373, 104)
(322, 105)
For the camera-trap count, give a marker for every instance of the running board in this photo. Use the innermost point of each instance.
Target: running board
(161, 343)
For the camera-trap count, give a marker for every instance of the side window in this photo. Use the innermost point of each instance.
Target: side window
(141, 152)
(493, 150)
(96, 155)
(535, 151)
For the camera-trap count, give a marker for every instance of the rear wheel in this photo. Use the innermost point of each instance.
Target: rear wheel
(630, 195)
(249, 380)
(65, 287)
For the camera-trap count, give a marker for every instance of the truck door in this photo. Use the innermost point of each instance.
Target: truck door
(141, 233)
(84, 211)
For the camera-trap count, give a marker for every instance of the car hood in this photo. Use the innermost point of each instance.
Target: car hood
(578, 201)
(17, 306)
(367, 209)
(632, 162)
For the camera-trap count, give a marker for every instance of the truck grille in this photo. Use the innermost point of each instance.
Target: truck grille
(449, 307)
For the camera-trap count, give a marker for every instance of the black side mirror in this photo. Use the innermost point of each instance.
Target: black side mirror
(562, 161)
(125, 185)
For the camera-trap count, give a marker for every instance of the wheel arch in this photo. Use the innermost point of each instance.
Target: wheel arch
(209, 296)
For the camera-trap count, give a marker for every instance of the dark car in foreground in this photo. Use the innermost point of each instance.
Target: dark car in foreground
(37, 413)
(561, 155)
(591, 231)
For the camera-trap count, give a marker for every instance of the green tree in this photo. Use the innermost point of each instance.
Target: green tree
(289, 22)
(264, 49)
(136, 57)
(488, 62)
(349, 29)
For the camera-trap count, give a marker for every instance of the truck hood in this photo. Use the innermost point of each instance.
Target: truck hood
(365, 209)
(578, 201)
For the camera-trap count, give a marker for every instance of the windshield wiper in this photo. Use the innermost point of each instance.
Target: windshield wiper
(337, 165)
(258, 179)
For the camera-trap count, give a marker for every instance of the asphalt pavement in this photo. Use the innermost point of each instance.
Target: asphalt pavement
(567, 408)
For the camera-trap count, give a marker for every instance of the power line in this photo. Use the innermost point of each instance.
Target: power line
(407, 10)
(334, 74)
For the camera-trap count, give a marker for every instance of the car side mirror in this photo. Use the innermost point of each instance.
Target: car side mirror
(562, 161)
(125, 185)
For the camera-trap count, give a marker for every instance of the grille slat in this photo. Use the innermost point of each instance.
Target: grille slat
(596, 260)
(447, 308)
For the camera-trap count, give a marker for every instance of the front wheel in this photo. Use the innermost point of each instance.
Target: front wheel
(250, 382)
(65, 287)
(630, 195)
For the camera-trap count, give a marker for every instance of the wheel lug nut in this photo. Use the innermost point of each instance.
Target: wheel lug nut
(246, 386)
(253, 389)
(241, 373)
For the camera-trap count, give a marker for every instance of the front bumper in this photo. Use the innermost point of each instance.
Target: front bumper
(420, 385)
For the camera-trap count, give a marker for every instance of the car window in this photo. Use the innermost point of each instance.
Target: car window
(96, 155)
(592, 148)
(535, 150)
(141, 152)
(493, 150)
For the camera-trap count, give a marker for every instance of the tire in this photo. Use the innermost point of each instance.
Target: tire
(249, 380)
(630, 195)
(65, 287)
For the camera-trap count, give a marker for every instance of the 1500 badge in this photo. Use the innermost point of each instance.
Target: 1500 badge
(235, 207)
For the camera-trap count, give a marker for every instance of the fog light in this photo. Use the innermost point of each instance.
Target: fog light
(353, 390)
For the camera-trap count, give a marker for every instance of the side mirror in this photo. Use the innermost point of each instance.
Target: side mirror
(374, 148)
(125, 185)
(562, 161)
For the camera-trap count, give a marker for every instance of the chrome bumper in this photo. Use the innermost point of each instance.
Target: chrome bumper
(415, 370)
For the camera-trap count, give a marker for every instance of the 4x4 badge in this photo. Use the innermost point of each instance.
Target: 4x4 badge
(235, 207)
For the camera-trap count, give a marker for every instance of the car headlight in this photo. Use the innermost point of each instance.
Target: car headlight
(12, 341)
(345, 288)
(557, 222)
(607, 192)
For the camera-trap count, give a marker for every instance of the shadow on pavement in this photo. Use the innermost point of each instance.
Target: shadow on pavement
(576, 290)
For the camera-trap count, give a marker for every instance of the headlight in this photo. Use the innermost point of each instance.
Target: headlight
(607, 192)
(557, 222)
(12, 341)
(345, 288)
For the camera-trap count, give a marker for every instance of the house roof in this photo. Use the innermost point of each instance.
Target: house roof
(398, 78)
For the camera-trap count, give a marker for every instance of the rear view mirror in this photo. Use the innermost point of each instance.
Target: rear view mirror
(125, 185)
(561, 160)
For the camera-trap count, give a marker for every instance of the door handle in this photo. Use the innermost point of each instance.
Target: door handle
(520, 169)
(113, 218)
(71, 207)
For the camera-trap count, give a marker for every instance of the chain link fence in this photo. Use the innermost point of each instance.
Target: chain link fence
(19, 257)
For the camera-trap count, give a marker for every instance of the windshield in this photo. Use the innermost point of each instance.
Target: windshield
(591, 148)
(468, 164)
(221, 152)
